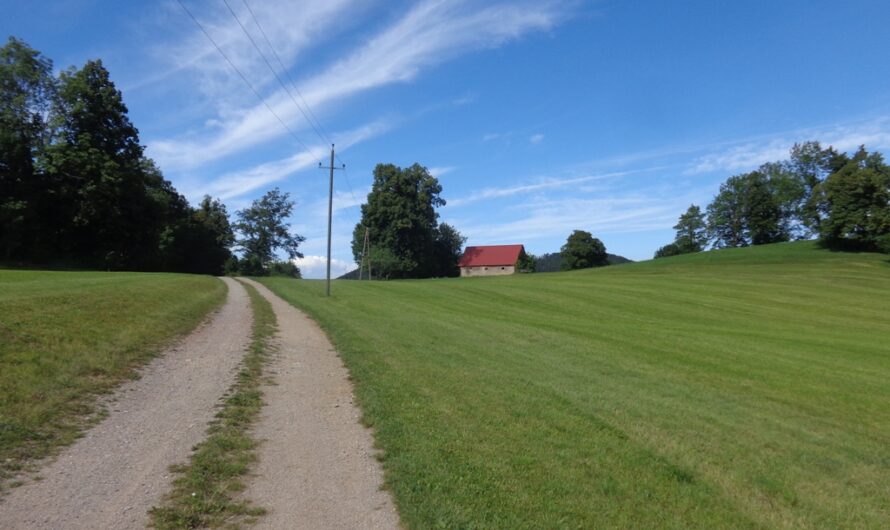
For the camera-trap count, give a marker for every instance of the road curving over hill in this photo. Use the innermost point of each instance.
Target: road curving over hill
(119, 469)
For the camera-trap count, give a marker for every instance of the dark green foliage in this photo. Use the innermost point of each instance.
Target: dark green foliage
(692, 230)
(199, 240)
(449, 246)
(692, 234)
(746, 212)
(264, 230)
(406, 238)
(856, 202)
(284, 268)
(582, 251)
(552, 262)
(26, 89)
(75, 187)
(810, 164)
(671, 249)
(527, 262)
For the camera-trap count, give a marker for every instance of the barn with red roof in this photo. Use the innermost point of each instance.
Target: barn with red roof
(490, 260)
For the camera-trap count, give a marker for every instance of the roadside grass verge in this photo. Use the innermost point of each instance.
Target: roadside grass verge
(745, 388)
(67, 337)
(205, 495)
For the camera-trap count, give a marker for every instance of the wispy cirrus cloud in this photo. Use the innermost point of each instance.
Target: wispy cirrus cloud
(244, 181)
(746, 155)
(547, 219)
(538, 185)
(429, 33)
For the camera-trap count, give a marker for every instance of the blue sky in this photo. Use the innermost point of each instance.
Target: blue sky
(537, 117)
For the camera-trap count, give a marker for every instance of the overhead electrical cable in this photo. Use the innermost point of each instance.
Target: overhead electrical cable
(314, 121)
(310, 116)
(244, 78)
(274, 73)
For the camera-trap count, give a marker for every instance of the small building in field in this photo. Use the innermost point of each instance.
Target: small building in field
(490, 260)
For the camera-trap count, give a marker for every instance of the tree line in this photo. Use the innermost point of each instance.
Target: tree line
(76, 188)
(75, 185)
(842, 200)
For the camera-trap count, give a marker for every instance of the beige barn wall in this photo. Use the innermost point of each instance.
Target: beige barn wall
(491, 271)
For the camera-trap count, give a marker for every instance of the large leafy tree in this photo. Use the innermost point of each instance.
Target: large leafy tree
(762, 212)
(856, 203)
(264, 230)
(746, 212)
(26, 91)
(810, 164)
(406, 238)
(726, 221)
(582, 251)
(101, 179)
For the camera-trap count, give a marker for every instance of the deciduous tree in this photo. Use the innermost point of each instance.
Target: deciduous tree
(582, 251)
(857, 204)
(401, 215)
(26, 92)
(263, 229)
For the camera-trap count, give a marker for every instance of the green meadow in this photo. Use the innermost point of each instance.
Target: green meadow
(744, 388)
(66, 337)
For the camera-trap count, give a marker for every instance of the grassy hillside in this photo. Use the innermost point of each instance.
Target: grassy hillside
(743, 388)
(66, 336)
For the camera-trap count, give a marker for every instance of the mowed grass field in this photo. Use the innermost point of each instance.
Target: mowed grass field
(744, 388)
(66, 337)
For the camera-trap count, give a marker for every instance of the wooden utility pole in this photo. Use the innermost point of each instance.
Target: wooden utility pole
(330, 215)
(366, 255)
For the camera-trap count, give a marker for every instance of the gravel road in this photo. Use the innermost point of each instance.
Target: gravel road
(316, 468)
(119, 469)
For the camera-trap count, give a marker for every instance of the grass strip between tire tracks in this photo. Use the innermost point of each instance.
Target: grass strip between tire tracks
(206, 494)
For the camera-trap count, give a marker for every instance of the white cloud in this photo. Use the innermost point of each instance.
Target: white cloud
(315, 267)
(244, 181)
(536, 138)
(555, 219)
(431, 32)
(548, 183)
(490, 136)
(438, 171)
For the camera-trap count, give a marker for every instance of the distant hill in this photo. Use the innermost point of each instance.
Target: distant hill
(351, 275)
(553, 261)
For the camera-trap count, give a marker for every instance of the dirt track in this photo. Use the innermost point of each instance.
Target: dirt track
(317, 468)
(119, 469)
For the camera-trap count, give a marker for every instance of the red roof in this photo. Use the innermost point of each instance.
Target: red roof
(491, 255)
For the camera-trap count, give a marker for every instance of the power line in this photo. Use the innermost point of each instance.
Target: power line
(348, 184)
(319, 130)
(313, 121)
(243, 78)
(272, 69)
